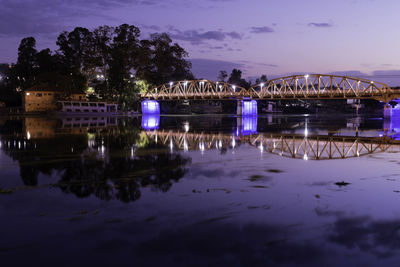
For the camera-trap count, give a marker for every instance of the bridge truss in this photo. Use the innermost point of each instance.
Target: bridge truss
(319, 86)
(195, 90)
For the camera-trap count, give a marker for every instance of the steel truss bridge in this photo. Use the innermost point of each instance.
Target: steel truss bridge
(314, 86)
(315, 147)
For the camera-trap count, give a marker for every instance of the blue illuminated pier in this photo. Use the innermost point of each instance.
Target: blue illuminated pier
(150, 107)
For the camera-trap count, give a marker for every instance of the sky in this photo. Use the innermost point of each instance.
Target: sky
(272, 37)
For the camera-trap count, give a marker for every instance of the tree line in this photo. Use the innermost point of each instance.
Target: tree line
(236, 78)
(114, 62)
(108, 63)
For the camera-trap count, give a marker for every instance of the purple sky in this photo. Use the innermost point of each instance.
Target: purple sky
(273, 37)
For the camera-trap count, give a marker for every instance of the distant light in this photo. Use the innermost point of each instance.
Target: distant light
(171, 83)
(28, 93)
(186, 126)
(201, 146)
(306, 76)
(220, 86)
(234, 88)
(372, 82)
(131, 75)
(28, 135)
(305, 157)
(261, 85)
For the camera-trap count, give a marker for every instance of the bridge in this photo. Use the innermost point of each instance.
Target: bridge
(315, 147)
(301, 87)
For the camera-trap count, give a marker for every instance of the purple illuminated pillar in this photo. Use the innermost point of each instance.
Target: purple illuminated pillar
(249, 108)
(150, 107)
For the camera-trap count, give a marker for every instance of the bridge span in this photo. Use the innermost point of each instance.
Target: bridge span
(301, 87)
(314, 86)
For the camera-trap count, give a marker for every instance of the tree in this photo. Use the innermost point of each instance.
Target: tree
(123, 54)
(262, 79)
(26, 63)
(77, 50)
(161, 61)
(222, 76)
(236, 78)
(102, 38)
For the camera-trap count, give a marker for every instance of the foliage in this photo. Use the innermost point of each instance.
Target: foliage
(109, 59)
(262, 79)
(222, 76)
(236, 78)
(160, 61)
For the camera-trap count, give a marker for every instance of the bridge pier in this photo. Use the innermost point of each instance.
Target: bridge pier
(246, 107)
(247, 117)
(150, 107)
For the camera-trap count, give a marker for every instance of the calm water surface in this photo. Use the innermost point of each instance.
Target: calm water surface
(200, 191)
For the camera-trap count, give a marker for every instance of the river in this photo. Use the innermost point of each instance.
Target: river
(272, 190)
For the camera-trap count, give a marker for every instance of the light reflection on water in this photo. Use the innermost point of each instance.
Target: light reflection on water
(197, 190)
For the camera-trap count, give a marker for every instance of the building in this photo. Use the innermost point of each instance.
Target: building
(43, 98)
(40, 98)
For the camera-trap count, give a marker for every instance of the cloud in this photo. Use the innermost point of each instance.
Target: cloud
(320, 24)
(33, 17)
(196, 37)
(264, 29)
(209, 68)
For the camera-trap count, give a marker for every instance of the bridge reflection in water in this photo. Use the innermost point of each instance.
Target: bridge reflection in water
(300, 146)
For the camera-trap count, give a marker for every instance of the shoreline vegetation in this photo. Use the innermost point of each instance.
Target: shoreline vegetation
(112, 64)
